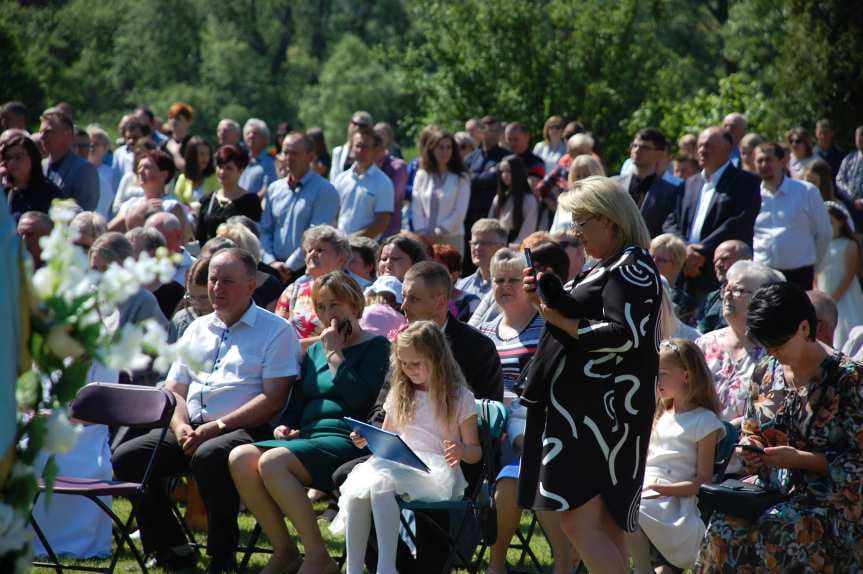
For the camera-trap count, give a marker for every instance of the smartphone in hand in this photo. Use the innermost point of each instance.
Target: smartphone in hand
(529, 257)
(751, 448)
(344, 328)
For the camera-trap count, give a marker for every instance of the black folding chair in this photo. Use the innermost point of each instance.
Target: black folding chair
(111, 404)
(491, 422)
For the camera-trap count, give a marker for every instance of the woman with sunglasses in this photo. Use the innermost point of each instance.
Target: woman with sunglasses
(802, 154)
(589, 392)
(805, 410)
(552, 147)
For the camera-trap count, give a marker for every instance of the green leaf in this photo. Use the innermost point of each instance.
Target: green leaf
(48, 475)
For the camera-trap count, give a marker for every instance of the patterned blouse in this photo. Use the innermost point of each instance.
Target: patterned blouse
(731, 376)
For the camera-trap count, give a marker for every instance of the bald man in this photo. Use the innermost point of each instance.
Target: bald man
(826, 316)
(737, 126)
(719, 203)
(172, 229)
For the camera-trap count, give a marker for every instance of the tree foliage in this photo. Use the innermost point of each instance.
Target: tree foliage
(615, 66)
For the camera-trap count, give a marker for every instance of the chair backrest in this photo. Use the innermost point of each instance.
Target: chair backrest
(124, 405)
(725, 449)
(491, 422)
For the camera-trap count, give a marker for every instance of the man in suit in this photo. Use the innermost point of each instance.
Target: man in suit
(718, 204)
(655, 196)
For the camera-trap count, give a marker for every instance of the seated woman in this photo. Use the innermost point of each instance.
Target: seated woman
(805, 410)
(154, 169)
(327, 249)
(341, 376)
(27, 188)
(398, 253)
(196, 302)
(197, 178)
(515, 333)
(729, 353)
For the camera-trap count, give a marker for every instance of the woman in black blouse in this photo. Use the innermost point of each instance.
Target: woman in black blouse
(230, 199)
(590, 391)
(26, 186)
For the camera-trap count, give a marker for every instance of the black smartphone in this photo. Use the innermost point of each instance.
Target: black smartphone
(529, 258)
(751, 448)
(344, 328)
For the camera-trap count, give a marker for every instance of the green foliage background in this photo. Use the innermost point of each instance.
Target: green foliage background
(614, 65)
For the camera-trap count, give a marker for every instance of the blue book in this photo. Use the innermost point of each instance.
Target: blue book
(387, 444)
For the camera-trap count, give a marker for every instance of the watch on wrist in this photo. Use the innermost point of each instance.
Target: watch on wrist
(221, 425)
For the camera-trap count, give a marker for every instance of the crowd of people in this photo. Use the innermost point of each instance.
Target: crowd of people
(710, 283)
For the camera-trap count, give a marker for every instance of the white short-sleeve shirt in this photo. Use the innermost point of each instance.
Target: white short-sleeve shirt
(260, 345)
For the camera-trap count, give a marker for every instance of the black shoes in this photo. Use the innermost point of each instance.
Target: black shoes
(179, 560)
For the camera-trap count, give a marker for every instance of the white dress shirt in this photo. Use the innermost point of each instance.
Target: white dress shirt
(792, 229)
(260, 345)
(705, 199)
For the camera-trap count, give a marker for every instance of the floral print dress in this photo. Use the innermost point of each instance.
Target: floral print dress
(731, 375)
(818, 528)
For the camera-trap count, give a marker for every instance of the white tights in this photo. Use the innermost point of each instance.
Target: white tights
(358, 525)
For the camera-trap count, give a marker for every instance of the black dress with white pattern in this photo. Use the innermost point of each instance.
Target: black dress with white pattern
(590, 400)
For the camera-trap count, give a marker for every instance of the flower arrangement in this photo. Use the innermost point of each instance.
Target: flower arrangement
(70, 309)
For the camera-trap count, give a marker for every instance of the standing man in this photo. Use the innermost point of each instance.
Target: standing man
(367, 194)
(482, 164)
(255, 361)
(75, 176)
(228, 133)
(826, 148)
(792, 231)
(397, 170)
(293, 204)
(518, 140)
(343, 157)
(655, 197)
(261, 170)
(719, 203)
(849, 180)
(735, 123)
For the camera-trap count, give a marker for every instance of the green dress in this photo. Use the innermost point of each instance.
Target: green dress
(319, 400)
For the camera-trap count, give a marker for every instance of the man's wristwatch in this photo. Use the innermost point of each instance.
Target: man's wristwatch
(222, 426)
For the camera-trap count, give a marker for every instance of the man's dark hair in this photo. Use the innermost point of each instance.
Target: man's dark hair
(824, 124)
(16, 108)
(59, 115)
(775, 313)
(146, 111)
(366, 247)
(772, 148)
(240, 255)
(433, 275)
(654, 136)
(369, 132)
(516, 127)
(136, 125)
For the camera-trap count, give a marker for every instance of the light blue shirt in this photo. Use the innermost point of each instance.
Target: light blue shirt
(289, 212)
(363, 197)
(260, 173)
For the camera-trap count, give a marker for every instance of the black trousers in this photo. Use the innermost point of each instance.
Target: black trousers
(802, 276)
(159, 528)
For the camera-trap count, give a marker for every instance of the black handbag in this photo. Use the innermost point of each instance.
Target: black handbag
(740, 499)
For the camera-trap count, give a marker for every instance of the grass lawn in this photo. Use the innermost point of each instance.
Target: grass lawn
(335, 544)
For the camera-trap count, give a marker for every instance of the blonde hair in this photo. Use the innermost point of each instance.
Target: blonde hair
(242, 238)
(672, 245)
(428, 341)
(583, 164)
(599, 196)
(507, 258)
(688, 356)
(341, 286)
(579, 144)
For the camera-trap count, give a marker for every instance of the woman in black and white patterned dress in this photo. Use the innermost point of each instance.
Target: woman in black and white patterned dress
(590, 390)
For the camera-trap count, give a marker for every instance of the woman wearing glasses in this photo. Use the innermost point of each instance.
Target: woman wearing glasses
(589, 392)
(802, 154)
(731, 355)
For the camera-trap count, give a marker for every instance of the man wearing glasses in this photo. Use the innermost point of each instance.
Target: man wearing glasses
(343, 157)
(655, 197)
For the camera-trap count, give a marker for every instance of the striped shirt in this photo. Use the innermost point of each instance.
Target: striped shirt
(514, 352)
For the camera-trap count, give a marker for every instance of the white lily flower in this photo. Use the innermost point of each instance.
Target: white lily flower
(60, 435)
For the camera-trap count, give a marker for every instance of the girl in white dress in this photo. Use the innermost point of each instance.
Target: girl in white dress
(433, 411)
(837, 274)
(680, 458)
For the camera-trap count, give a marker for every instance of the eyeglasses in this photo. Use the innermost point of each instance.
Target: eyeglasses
(735, 292)
(644, 146)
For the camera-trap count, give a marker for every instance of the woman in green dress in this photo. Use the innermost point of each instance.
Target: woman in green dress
(341, 376)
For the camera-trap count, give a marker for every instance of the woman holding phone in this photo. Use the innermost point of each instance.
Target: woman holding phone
(341, 376)
(590, 390)
(803, 431)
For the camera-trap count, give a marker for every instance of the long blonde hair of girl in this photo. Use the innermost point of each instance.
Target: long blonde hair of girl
(702, 392)
(429, 342)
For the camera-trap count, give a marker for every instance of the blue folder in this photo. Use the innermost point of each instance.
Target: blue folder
(387, 445)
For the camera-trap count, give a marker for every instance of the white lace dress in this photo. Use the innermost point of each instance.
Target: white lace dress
(424, 436)
(827, 279)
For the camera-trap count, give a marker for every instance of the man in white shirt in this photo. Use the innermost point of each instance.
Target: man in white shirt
(792, 230)
(367, 194)
(251, 360)
(343, 158)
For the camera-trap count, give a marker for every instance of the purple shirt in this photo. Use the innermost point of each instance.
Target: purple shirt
(396, 169)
